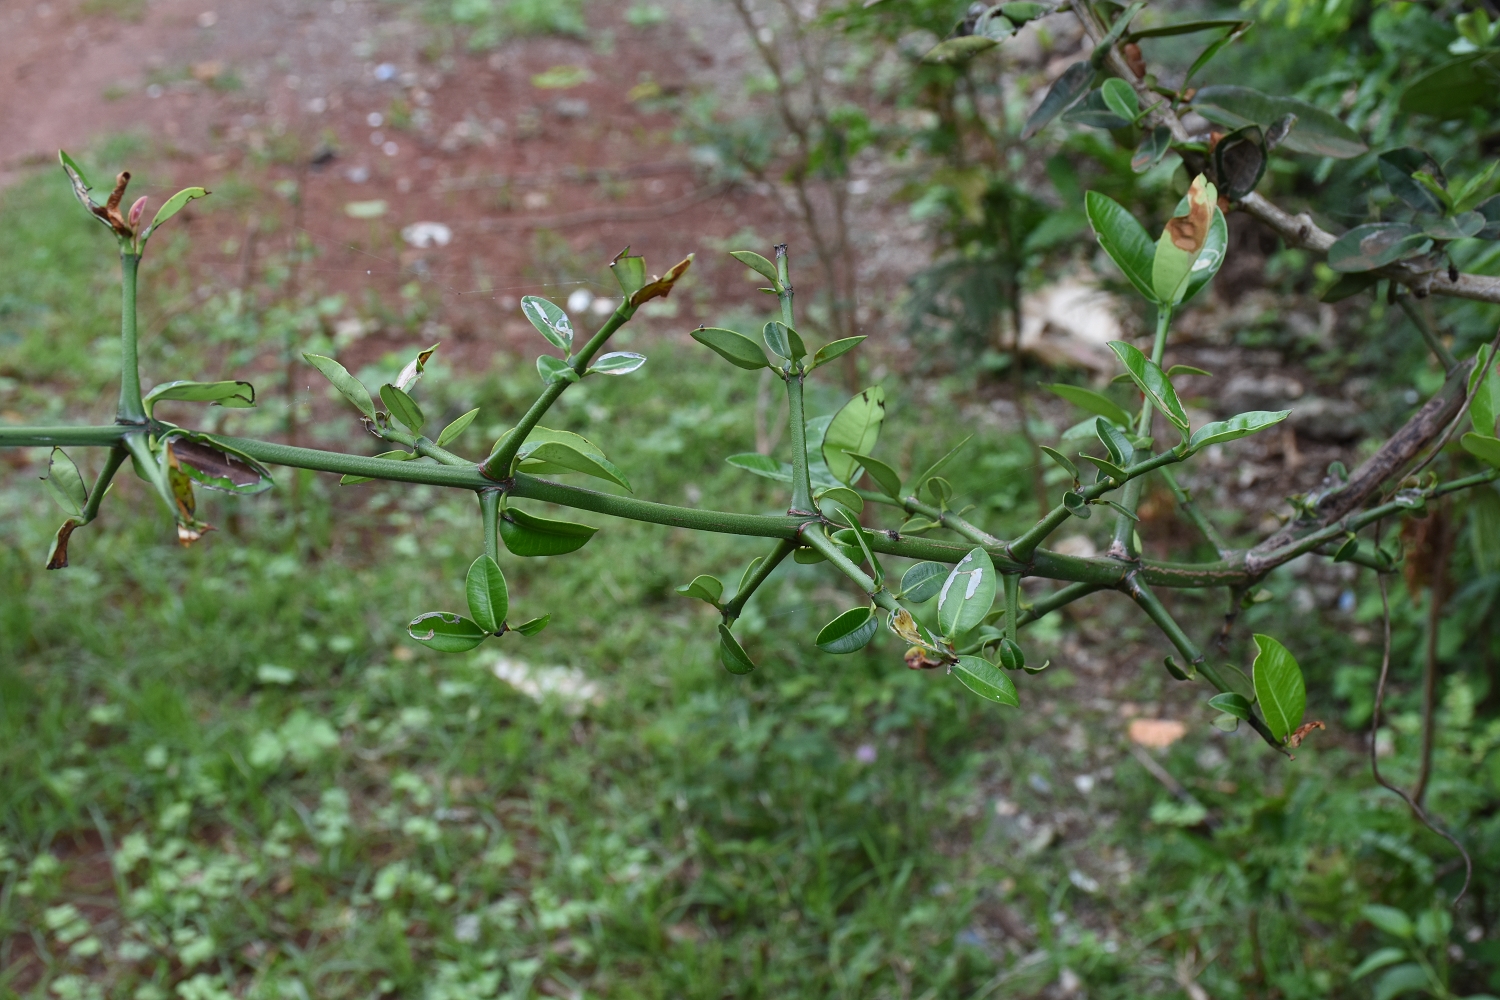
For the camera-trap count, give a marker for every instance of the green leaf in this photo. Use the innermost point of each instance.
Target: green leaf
(749, 572)
(1378, 960)
(759, 265)
(1238, 683)
(352, 388)
(1124, 511)
(1231, 704)
(80, 182)
(1069, 87)
(882, 475)
(402, 407)
(842, 496)
(1090, 400)
(1153, 146)
(1120, 98)
(66, 483)
(629, 271)
(731, 654)
(1484, 393)
(957, 51)
(1396, 168)
(1124, 239)
(762, 465)
(784, 341)
(1093, 112)
(1348, 286)
(528, 535)
(1278, 686)
(1391, 920)
(532, 626)
(1176, 370)
(616, 363)
(921, 582)
(1317, 133)
(235, 395)
(967, 594)
(395, 456)
(571, 459)
(459, 425)
(1224, 722)
(1108, 468)
(1485, 447)
(862, 539)
(856, 428)
(173, 205)
(1185, 28)
(1458, 227)
(446, 632)
(1409, 978)
(1077, 505)
(1181, 241)
(1210, 258)
(934, 468)
(1011, 655)
(738, 350)
(1376, 244)
(489, 599)
(1148, 375)
(550, 321)
(704, 588)
(1062, 460)
(1121, 451)
(1020, 12)
(1455, 88)
(849, 632)
(834, 349)
(986, 680)
(1235, 427)
(555, 370)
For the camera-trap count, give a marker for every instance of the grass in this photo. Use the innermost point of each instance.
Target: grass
(226, 771)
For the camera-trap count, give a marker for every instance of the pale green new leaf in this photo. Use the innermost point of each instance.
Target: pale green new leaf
(855, 428)
(173, 205)
(1279, 687)
(457, 427)
(235, 395)
(1235, 427)
(66, 483)
(1148, 375)
(352, 388)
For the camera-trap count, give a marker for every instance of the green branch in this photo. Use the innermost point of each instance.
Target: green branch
(131, 409)
(812, 534)
(736, 606)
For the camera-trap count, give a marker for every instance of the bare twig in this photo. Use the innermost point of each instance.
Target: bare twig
(1442, 548)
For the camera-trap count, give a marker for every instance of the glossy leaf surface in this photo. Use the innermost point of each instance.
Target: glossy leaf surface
(1148, 375)
(834, 349)
(758, 264)
(1317, 133)
(553, 369)
(172, 206)
(1235, 427)
(921, 582)
(735, 348)
(986, 680)
(1069, 87)
(66, 483)
(855, 428)
(235, 395)
(528, 535)
(458, 426)
(967, 594)
(883, 476)
(352, 388)
(571, 459)
(1090, 400)
(704, 588)
(1124, 239)
(731, 654)
(489, 598)
(849, 632)
(446, 632)
(1279, 687)
(617, 363)
(550, 321)
(403, 407)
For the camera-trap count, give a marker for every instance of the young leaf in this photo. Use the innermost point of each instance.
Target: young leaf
(1090, 400)
(550, 321)
(1237, 426)
(880, 474)
(735, 348)
(1120, 98)
(849, 632)
(235, 395)
(1121, 451)
(1121, 509)
(1124, 239)
(835, 349)
(843, 497)
(1278, 686)
(855, 428)
(758, 264)
(731, 654)
(921, 582)
(489, 599)
(1062, 460)
(173, 205)
(352, 388)
(1108, 468)
(1148, 375)
(704, 588)
(66, 483)
(396, 456)
(1072, 85)
(412, 373)
(1231, 704)
(1011, 655)
(986, 680)
(569, 458)
(630, 272)
(617, 363)
(749, 572)
(446, 632)
(528, 535)
(1210, 258)
(1376, 244)
(459, 425)
(532, 626)
(783, 341)
(762, 465)
(1077, 505)
(554, 370)
(80, 182)
(1181, 241)
(402, 407)
(967, 594)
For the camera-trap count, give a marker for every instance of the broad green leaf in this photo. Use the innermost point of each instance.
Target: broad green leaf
(1235, 427)
(1376, 244)
(489, 599)
(758, 264)
(731, 654)
(986, 680)
(235, 395)
(1391, 920)
(1152, 381)
(1120, 98)
(882, 475)
(352, 388)
(1181, 241)
(849, 632)
(1317, 132)
(967, 594)
(1124, 239)
(66, 483)
(783, 341)
(1279, 687)
(856, 428)
(532, 626)
(1210, 258)
(617, 363)
(1485, 447)
(1378, 960)
(921, 583)
(1090, 400)
(957, 51)
(629, 271)
(555, 370)
(402, 407)
(762, 465)
(411, 374)
(528, 535)
(395, 456)
(834, 349)
(542, 435)
(446, 632)
(457, 427)
(704, 588)
(565, 456)
(1403, 979)
(173, 205)
(550, 321)
(948, 456)
(842, 496)
(735, 348)
(1231, 704)
(1069, 87)
(1062, 460)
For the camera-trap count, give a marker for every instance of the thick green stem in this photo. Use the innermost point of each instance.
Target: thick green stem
(767, 566)
(801, 482)
(131, 409)
(949, 520)
(489, 512)
(784, 279)
(812, 534)
(1022, 548)
(498, 464)
(1012, 582)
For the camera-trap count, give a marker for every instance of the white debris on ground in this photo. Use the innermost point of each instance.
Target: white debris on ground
(569, 686)
(423, 235)
(1070, 324)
